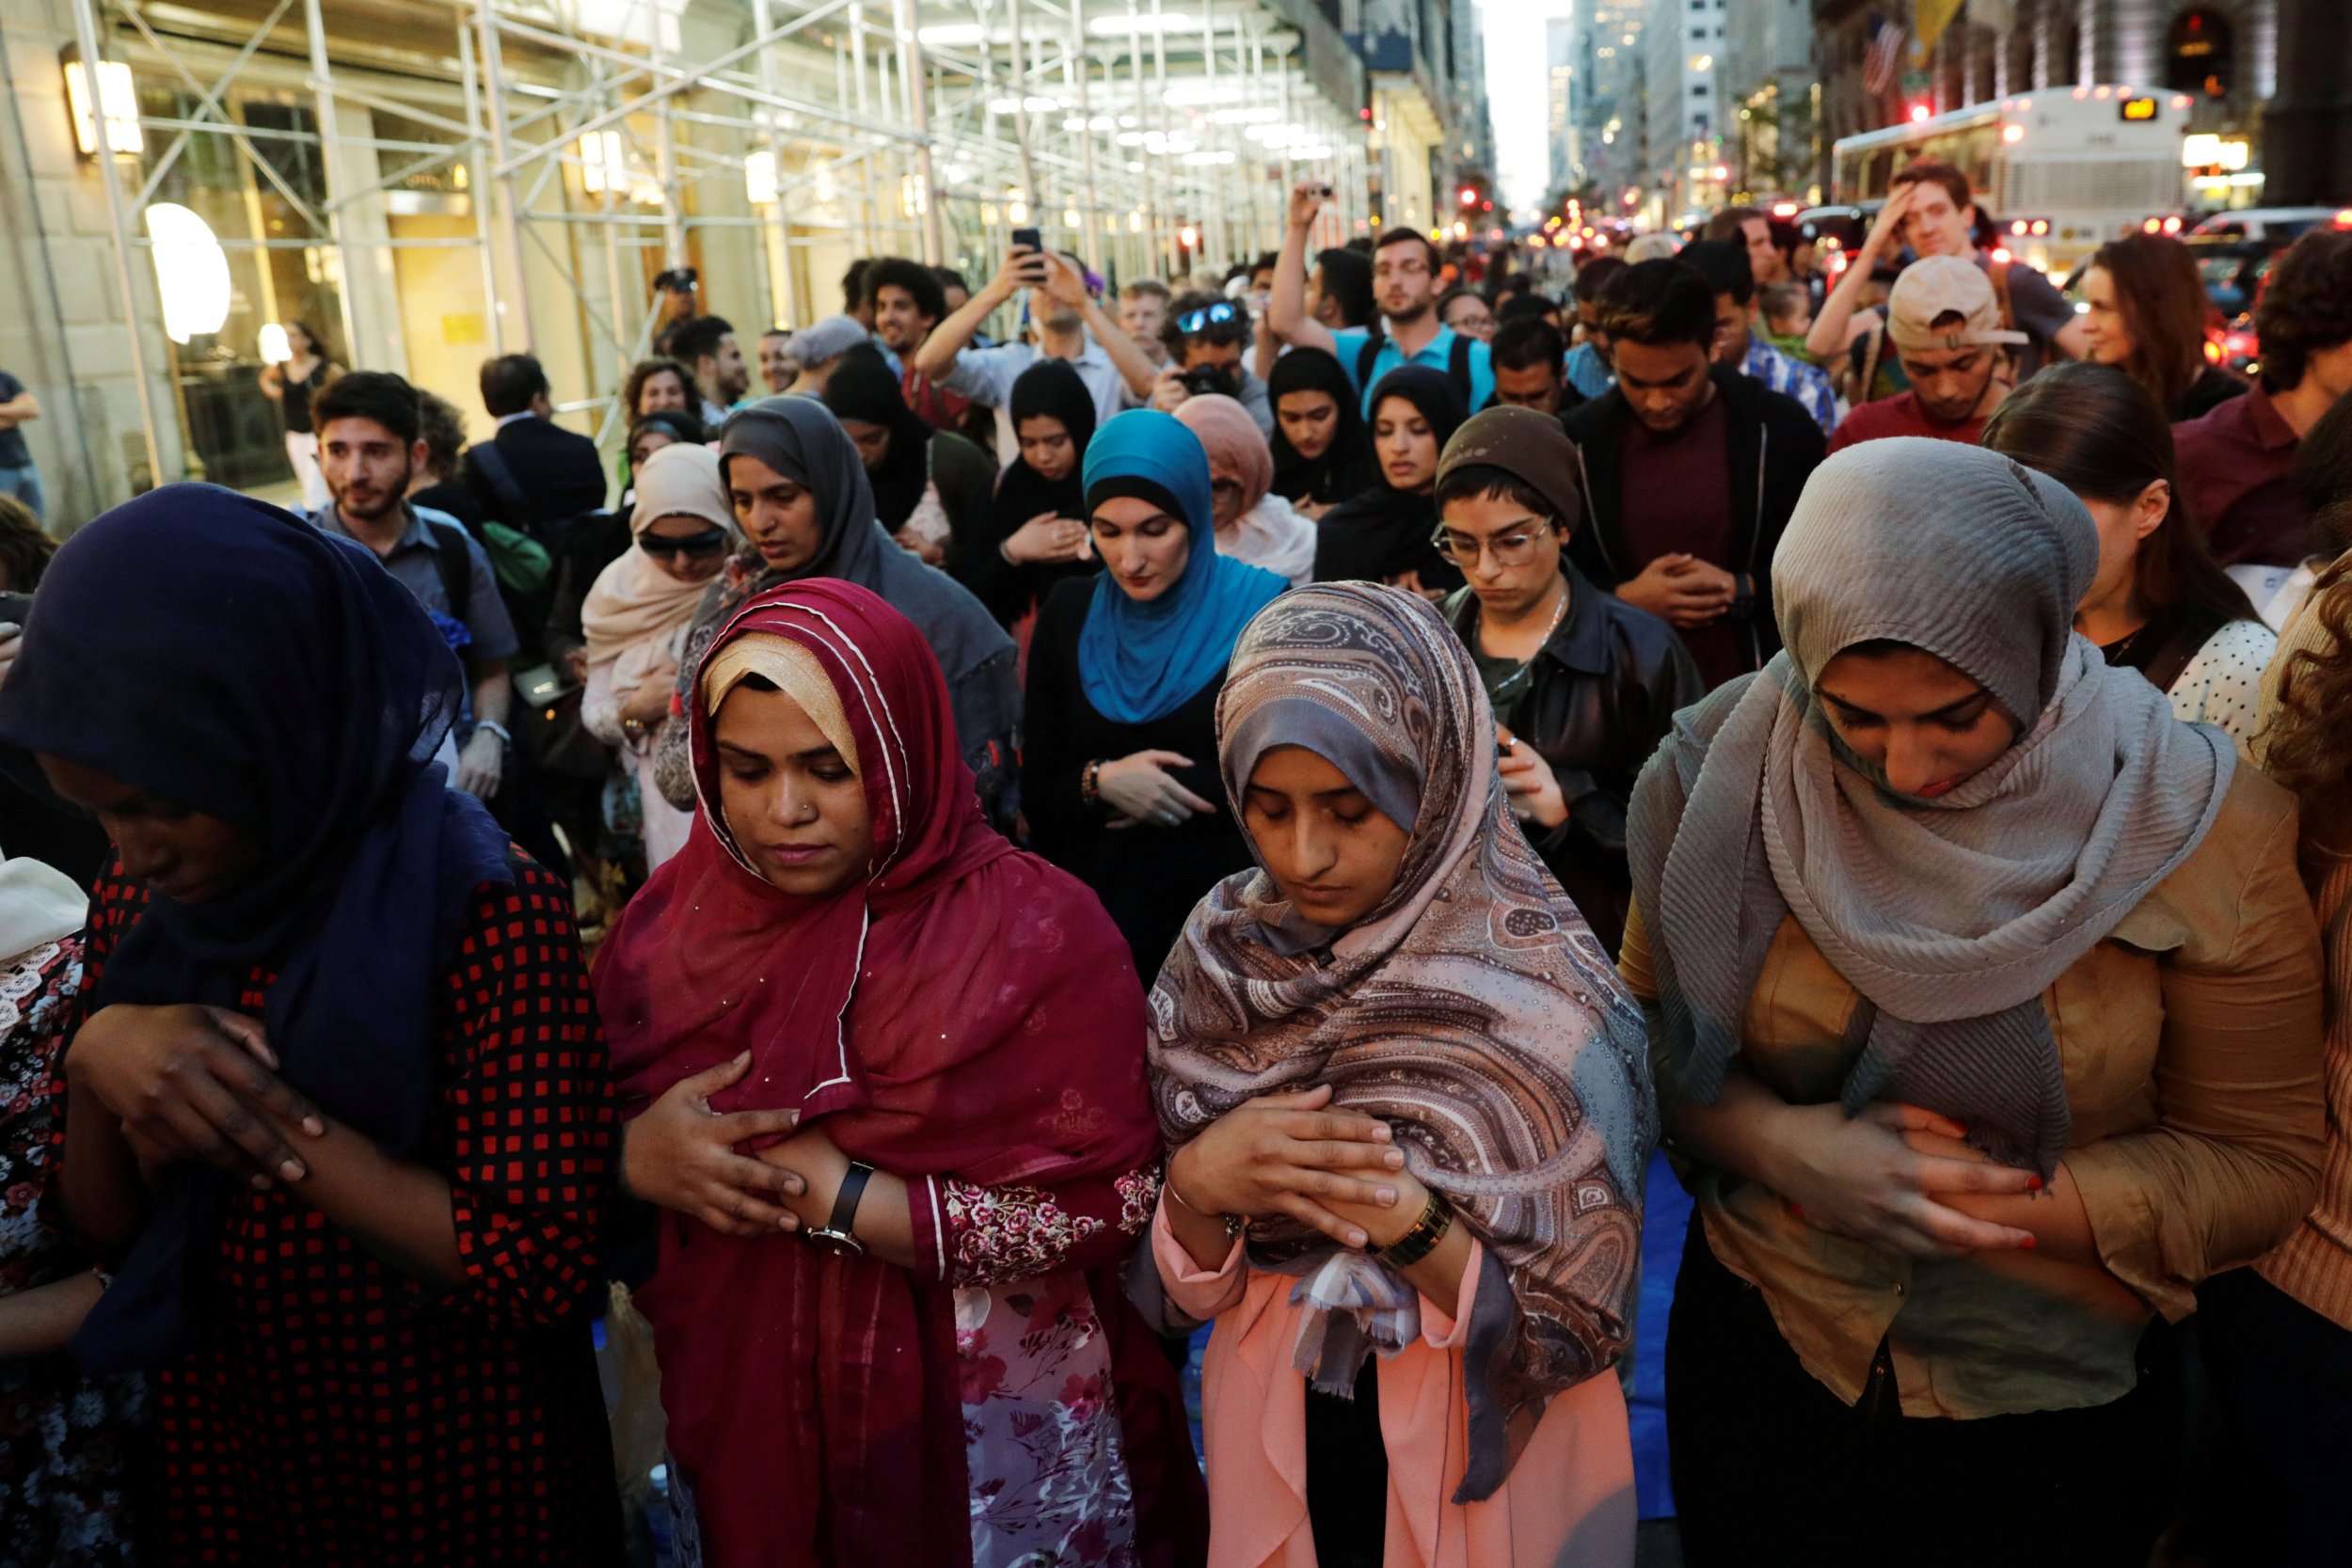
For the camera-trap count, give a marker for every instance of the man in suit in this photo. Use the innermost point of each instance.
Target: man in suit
(533, 475)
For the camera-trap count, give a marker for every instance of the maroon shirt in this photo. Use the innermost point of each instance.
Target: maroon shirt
(1675, 499)
(2237, 474)
(1902, 414)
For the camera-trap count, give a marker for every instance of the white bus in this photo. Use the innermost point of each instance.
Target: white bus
(2060, 170)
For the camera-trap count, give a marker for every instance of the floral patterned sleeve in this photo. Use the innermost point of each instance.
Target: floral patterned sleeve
(971, 1235)
(531, 1128)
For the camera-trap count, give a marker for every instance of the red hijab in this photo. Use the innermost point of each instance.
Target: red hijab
(967, 1010)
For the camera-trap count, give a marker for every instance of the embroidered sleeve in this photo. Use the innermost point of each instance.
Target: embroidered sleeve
(966, 1234)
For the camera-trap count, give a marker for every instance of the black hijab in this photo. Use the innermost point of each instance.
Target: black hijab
(1052, 389)
(1382, 532)
(862, 387)
(1346, 466)
(233, 659)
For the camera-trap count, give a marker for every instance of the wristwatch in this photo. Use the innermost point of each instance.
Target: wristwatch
(836, 1237)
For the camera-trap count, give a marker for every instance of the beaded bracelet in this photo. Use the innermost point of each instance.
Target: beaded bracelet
(1090, 784)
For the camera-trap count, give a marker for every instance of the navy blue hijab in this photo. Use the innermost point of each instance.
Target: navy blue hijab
(227, 656)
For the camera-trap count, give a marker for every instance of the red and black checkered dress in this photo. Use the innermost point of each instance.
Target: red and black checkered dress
(335, 1411)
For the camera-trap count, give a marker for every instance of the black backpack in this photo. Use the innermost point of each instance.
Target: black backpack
(1458, 365)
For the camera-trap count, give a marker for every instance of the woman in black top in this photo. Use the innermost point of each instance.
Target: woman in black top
(1035, 535)
(1119, 772)
(291, 386)
(1322, 452)
(1384, 534)
(930, 487)
(2147, 318)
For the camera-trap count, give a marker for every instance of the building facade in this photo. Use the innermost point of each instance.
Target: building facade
(428, 182)
(1608, 97)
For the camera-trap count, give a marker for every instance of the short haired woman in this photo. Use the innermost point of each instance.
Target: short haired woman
(1411, 1112)
(1984, 1010)
(2159, 603)
(885, 1076)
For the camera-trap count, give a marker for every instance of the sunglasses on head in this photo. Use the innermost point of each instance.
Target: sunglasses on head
(702, 547)
(1194, 320)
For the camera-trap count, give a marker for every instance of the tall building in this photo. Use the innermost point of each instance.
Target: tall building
(1766, 79)
(1560, 125)
(1607, 97)
(1683, 44)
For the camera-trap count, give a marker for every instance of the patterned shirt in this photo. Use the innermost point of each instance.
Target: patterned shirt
(333, 1410)
(1807, 383)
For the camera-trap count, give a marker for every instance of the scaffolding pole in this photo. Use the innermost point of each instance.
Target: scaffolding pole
(86, 33)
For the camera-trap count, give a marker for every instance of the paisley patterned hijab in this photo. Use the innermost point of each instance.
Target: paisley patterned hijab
(1472, 1009)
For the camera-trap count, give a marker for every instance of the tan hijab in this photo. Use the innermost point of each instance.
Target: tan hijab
(636, 614)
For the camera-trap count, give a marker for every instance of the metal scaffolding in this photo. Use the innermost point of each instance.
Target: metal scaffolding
(576, 147)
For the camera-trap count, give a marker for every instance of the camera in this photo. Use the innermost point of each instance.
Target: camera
(1210, 381)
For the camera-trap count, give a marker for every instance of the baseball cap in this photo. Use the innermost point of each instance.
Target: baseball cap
(1934, 285)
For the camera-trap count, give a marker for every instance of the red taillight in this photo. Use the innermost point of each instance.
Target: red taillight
(2344, 218)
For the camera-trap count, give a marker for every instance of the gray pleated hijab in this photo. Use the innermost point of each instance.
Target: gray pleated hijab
(1950, 916)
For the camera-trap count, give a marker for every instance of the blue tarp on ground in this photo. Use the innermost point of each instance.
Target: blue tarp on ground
(1666, 1215)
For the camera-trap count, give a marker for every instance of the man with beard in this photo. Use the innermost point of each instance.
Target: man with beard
(909, 302)
(708, 343)
(368, 430)
(1947, 327)
(1404, 267)
(1690, 470)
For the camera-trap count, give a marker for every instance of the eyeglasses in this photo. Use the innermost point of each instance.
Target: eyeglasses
(1515, 549)
(1208, 315)
(702, 547)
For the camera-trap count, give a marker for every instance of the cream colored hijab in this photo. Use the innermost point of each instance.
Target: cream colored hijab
(636, 614)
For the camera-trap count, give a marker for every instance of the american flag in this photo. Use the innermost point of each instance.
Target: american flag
(1885, 54)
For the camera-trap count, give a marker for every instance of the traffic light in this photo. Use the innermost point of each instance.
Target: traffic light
(1469, 197)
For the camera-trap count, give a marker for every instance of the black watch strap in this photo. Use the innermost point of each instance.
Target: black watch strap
(845, 1202)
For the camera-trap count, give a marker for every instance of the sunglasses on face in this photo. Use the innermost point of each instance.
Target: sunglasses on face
(700, 546)
(1194, 320)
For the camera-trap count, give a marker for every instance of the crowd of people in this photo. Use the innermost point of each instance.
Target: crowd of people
(1252, 804)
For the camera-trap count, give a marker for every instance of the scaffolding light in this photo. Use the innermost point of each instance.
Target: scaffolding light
(191, 272)
(1135, 223)
(1017, 212)
(603, 165)
(1188, 237)
(1034, 104)
(1201, 93)
(760, 178)
(1119, 26)
(121, 98)
(952, 35)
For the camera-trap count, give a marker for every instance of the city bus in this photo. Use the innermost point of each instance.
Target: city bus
(2059, 170)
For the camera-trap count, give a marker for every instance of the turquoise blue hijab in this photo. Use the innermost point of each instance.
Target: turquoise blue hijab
(1143, 661)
